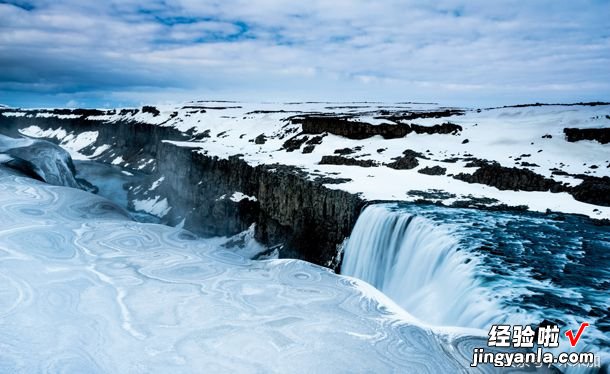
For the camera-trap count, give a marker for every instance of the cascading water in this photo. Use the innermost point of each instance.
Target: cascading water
(420, 266)
(469, 268)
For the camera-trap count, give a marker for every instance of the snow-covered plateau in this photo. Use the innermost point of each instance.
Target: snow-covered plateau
(530, 138)
(172, 237)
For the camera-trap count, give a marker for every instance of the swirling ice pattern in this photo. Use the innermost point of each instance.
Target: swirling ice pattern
(84, 289)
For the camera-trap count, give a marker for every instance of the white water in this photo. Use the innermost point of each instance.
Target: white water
(419, 264)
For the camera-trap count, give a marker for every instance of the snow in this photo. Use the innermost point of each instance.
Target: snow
(156, 184)
(117, 161)
(60, 116)
(497, 135)
(71, 143)
(157, 206)
(238, 196)
(14, 114)
(85, 289)
(500, 134)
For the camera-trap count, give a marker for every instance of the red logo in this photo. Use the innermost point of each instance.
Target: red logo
(570, 334)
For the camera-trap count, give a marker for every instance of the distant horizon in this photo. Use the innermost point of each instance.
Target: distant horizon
(70, 53)
(228, 101)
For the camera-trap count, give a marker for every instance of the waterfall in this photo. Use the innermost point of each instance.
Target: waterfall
(419, 264)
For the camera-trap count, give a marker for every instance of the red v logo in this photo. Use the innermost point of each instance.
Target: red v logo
(570, 334)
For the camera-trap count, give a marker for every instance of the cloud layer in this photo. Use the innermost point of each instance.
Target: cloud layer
(475, 52)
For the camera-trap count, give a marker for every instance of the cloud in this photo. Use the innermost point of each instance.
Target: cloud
(450, 50)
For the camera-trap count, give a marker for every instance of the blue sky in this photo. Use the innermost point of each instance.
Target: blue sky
(476, 53)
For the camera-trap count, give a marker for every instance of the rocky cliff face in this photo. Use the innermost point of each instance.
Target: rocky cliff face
(302, 217)
(301, 171)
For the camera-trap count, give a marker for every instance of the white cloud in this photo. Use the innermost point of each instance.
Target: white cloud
(449, 50)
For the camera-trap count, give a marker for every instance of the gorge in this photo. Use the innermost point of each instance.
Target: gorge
(453, 252)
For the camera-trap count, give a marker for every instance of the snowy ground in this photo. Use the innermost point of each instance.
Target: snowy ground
(501, 135)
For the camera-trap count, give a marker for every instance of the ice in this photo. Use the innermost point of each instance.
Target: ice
(40, 159)
(84, 289)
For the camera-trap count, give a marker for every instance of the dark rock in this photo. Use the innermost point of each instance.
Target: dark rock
(434, 170)
(474, 162)
(558, 172)
(505, 178)
(412, 153)
(88, 112)
(329, 180)
(294, 143)
(151, 109)
(308, 148)
(305, 218)
(350, 129)
(465, 141)
(445, 128)
(125, 112)
(344, 151)
(381, 150)
(198, 136)
(261, 139)
(407, 161)
(316, 140)
(340, 160)
(593, 190)
(432, 194)
(362, 130)
(528, 164)
(547, 136)
(601, 135)
(591, 103)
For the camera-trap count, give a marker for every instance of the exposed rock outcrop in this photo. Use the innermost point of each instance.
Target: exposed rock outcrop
(310, 220)
(294, 143)
(340, 160)
(505, 178)
(433, 170)
(601, 135)
(407, 161)
(362, 130)
(593, 190)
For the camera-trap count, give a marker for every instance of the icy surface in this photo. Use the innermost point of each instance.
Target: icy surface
(84, 289)
(43, 159)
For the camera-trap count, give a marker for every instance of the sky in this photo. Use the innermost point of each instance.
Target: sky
(455, 52)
